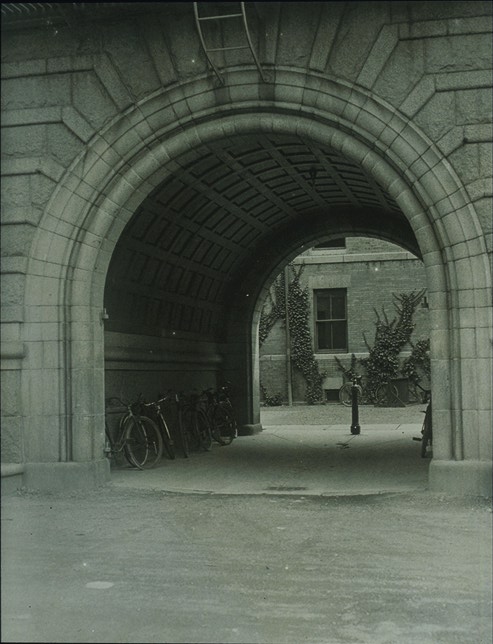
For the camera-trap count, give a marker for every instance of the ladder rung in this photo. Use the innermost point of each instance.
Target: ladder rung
(231, 15)
(199, 19)
(228, 48)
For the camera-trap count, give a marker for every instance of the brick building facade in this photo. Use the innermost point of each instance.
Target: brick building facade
(366, 272)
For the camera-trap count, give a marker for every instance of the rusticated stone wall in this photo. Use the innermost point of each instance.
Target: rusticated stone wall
(95, 117)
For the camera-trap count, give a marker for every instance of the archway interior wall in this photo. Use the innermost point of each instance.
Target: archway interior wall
(140, 364)
(121, 350)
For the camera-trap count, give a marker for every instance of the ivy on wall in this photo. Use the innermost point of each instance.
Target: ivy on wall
(418, 369)
(382, 364)
(301, 338)
(270, 401)
(350, 373)
(273, 310)
(301, 343)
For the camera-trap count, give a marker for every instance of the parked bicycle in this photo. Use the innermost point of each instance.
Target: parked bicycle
(418, 393)
(380, 395)
(115, 443)
(138, 437)
(157, 411)
(184, 423)
(193, 422)
(221, 417)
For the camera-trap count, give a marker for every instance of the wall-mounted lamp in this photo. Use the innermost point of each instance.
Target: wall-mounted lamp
(104, 315)
(424, 303)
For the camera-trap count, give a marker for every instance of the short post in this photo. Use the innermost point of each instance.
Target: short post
(355, 427)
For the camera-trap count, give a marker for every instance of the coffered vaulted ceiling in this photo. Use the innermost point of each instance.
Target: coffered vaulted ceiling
(190, 240)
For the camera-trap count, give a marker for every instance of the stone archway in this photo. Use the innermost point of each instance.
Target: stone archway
(101, 190)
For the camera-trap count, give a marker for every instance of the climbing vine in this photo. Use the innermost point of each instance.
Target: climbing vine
(299, 326)
(417, 366)
(382, 364)
(418, 369)
(270, 401)
(301, 339)
(350, 373)
(273, 310)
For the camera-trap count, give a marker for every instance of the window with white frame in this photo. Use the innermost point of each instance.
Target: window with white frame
(330, 307)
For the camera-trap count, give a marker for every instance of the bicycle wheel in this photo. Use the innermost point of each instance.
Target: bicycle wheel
(168, 443)
(346, 394)
(385, 394)
(120, 449)
(224, 426)
(143, 442)
(110, 450)
(184, 426)
(203, 430)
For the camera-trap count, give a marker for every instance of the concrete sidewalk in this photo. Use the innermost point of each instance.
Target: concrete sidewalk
(314, 460)
(296, 454)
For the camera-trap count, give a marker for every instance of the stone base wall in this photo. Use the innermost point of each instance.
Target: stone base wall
(461, 478)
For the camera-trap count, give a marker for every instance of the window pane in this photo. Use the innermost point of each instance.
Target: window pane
(323, 335)
(323, 307)
(331, 323)
(339, 335)
(338, 307)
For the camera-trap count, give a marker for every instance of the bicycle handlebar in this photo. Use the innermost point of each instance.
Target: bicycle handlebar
(123, 403)
(178, 397)
(159, 401)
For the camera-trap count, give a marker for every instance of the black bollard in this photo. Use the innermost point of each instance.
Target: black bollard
(355, 428)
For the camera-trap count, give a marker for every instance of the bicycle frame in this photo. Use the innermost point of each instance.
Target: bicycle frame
(139, 436)
(116, 445)
(219, 400)
(198, 428)
(156, 407)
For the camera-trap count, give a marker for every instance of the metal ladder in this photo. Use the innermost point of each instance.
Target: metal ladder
(207, 50)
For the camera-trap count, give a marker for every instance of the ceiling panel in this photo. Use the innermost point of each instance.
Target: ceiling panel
(189, 238)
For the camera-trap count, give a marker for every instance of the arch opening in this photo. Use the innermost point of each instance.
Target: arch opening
(335, 292)
(411, 223)
(199, 248)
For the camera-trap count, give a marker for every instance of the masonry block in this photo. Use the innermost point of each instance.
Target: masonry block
(91, 99)
(36, 92)
(66, 477)
(461, 478)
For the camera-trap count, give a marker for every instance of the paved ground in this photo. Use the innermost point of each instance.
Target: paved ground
(303, 449)
(302, 534)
